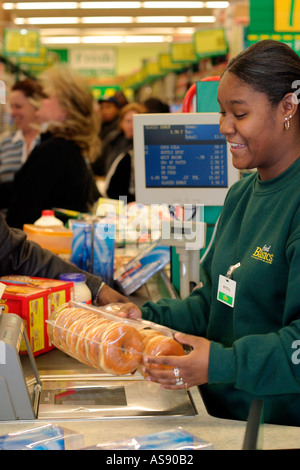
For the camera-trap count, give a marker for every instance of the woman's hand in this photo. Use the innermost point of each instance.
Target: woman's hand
(192, 369)
(107, 295)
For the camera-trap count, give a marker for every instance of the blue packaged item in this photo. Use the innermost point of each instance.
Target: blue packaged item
(46, 437)
(81, 254)
(104, 250)
(93, 247)
(172, 439)
(141, 268)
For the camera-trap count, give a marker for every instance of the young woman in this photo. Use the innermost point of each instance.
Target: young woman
(250, 349)
(57, 172)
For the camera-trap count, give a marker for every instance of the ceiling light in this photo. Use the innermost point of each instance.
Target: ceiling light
(144, 39)
(102, 39)
(173, 4)
(107, 19)
(109, 5)
(217, 4)
(66, 20)
(161, 19)
(202, 19)
(41, 6)
(60, 40)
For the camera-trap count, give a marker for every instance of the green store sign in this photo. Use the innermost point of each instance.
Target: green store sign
(275, 19)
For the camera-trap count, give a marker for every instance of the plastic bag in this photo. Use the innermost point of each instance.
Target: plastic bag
(173, 439)
(99, 338)
(46, 437)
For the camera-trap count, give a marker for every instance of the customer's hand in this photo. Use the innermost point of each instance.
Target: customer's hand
(192, 368)
(107, 295)
(129, 310)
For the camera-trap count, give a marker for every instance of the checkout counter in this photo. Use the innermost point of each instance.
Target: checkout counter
(104, 408)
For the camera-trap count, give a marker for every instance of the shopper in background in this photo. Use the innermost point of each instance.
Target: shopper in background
(156, 105)
(21, 256)
(250, 348)
(24, 99)
(58, 173)
(119, 141)
(109, 109)
(121, 98)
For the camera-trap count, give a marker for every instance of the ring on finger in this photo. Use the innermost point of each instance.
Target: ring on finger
(179, 381)
(176, 372)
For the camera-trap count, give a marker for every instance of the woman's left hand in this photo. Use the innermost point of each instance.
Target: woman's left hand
(183, 371)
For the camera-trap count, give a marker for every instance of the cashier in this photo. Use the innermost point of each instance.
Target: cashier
(244, 323)
(20, 256)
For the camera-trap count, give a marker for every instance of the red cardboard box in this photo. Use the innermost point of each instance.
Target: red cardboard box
(34, 299)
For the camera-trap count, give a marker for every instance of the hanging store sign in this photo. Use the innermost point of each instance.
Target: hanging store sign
(166, 64)
(287, 15)
(210, 43)
(183, 52)
(275, 19)
(96, 63)
(17, 42)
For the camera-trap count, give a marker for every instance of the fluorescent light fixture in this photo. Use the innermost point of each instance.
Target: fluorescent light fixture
(102, 39)
(63, 20)
(150, 39)
(217, 4)
(185, 31)
(144, 39)
(107, 19)
(109, 5)
(202, 19)
(161, 19)
(41, 6)
(173, 4)
(60, 40)
(20, 21)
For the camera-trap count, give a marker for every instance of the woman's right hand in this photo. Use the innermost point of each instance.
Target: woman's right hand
(129, 310)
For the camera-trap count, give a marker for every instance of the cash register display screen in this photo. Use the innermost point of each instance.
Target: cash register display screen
(185, 156)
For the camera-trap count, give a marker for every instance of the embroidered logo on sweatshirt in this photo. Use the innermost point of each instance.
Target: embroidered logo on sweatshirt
(263, 254)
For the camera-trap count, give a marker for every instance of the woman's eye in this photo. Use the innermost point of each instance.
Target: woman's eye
(239, 116)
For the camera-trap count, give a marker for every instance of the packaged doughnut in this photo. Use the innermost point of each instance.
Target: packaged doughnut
(98, 337)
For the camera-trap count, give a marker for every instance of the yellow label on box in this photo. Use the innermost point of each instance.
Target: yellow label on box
(56, 299)
(36, 325)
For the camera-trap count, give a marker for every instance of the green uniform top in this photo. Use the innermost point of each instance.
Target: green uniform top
(255, 344)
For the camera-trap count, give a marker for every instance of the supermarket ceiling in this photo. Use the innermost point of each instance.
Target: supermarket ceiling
(114, 22)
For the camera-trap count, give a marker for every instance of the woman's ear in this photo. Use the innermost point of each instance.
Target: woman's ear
(289, 105)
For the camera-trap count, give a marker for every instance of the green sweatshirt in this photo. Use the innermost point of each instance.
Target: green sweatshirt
(255, 344)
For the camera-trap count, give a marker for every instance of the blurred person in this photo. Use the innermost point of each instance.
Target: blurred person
(57, 172)
(155, 105)
(119, 141)
(24, 99)
(109, 115)
(121, 98)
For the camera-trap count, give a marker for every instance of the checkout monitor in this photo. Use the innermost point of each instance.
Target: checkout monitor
(181, 159)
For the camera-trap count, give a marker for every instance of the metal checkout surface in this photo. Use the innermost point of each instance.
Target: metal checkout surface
(54, 387)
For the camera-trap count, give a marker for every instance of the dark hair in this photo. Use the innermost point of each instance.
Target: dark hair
(269, 67)
(155, 105)
(30, 87)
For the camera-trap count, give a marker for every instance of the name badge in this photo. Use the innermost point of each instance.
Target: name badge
(226, 290)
